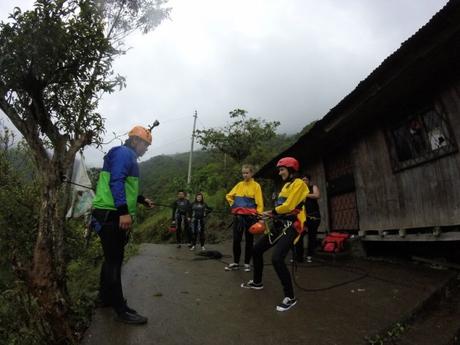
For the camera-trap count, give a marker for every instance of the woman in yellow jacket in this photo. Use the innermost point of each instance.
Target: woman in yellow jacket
(289, 216)
(246, 202)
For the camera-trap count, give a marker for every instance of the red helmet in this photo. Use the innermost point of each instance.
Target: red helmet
(141, 132)
(257, 228)
(288, 162)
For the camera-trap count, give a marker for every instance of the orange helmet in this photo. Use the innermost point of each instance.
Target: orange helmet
(288, 162)
(141, 132)
(257, 228)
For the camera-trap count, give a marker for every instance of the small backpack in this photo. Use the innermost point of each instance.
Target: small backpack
(334, 242)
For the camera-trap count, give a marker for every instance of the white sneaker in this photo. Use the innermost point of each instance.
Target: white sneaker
(309, 259)
(287, 304)
(251, 285)
(247, 268)
(192, 248)
(232, 267)
(203, 248)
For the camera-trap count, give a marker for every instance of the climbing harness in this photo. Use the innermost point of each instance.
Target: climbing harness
(282, 232)
(272, 232)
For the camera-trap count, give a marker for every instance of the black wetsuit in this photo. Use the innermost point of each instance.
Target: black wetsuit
(199, 212)
(312, 224)
(181, 213)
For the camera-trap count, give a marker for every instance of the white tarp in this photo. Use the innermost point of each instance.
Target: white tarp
(82, 195)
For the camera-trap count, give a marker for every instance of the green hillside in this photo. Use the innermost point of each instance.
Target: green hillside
(162, 176)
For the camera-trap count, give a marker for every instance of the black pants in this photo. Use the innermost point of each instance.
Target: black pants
(281, 249)
(198, 230)
(113, 241)
(312, 231)
(241, 224)
(181, 219)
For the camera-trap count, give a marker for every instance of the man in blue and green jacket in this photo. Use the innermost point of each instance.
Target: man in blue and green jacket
(117, 195)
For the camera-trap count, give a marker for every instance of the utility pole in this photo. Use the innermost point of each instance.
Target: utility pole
(189, 176)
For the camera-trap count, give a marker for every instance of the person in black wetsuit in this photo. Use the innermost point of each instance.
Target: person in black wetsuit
(199, 212)
(312, 223)
(181, 215)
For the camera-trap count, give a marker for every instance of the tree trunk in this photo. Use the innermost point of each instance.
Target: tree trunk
(47, 276)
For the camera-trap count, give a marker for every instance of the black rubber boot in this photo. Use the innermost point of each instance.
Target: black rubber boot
(131, 319)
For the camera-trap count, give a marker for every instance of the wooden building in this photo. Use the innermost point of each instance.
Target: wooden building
(386, 156)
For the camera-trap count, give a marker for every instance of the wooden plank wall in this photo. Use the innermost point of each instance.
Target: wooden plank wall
(421, 196)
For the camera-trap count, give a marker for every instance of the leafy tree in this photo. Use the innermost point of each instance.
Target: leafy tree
(55, 64)
(239, 138)
(18, 222)
(261, 154)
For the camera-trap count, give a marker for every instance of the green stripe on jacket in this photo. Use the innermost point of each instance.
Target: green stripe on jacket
(104, 199)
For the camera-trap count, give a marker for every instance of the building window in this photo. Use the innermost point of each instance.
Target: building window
(420, 138)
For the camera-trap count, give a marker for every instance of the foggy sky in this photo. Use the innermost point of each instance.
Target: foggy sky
(285, 60)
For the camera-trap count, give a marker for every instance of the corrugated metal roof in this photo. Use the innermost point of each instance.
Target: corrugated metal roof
(442, 26)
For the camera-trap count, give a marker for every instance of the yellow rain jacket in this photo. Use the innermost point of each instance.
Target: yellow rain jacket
(246, 198)
(290, 202)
